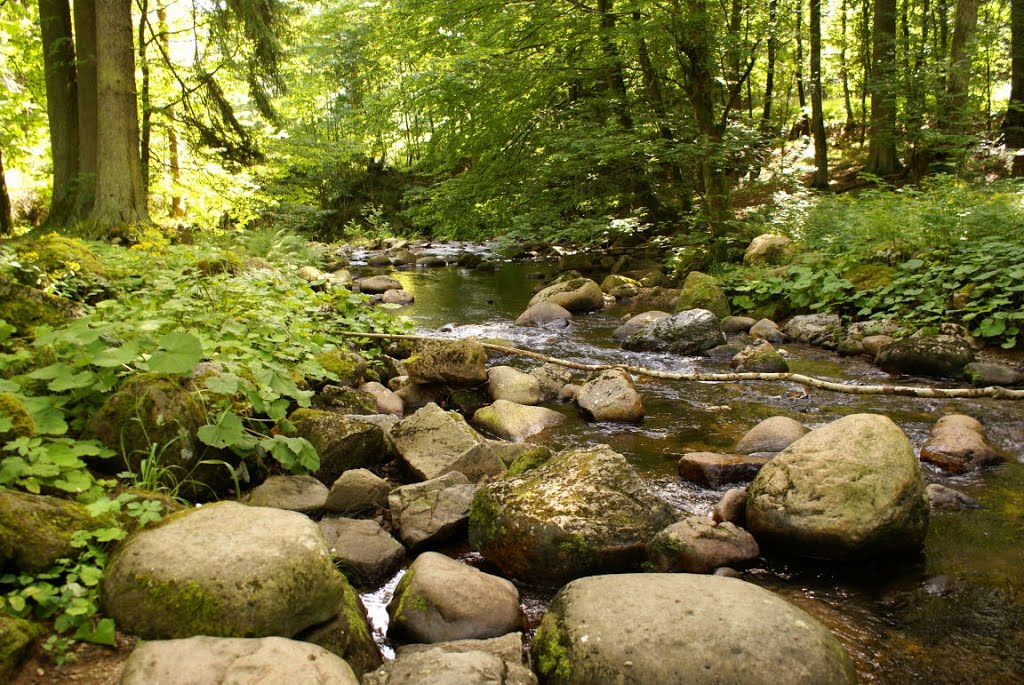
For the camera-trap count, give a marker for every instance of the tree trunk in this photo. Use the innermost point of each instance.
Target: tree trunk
(614, 73)
(61, 107)
(85, 42)
(817, 116)
(865, 51)
(769, 79)
(802, 126)
(144, 99)
(1013, 123)
(961, 51)
(120, 197)
(882, 157)
(6, 218)
(173, 162)
(844, 71)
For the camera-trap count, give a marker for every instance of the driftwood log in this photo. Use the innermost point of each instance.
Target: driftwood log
(994, 392)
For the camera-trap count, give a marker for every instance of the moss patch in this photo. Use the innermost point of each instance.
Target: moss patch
(348, 367)
(701, 291)
(16, 635)
(22, 423)
(550, 651)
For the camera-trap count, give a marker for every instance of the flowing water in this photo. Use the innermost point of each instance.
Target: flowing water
(953, 615)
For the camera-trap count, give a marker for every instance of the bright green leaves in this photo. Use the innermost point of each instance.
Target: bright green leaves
(228, 431)
(53, 463)
(113, 357)
(296, 455)
(178, 354)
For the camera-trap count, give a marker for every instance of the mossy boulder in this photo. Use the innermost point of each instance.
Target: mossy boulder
(348, 634)
(759, 356)
(224, 570)
(342, 399)
(942, 356)
(576, 295)
(850, 489)
(36, 530)
(683, 628)
(342, 442)
(769, 248)
(16, 636)
(22, 425)
(59, 257)
(151, 410)
(348, 367)
(701, 291)
(583, 511)
(870, 276)
(620, 286)
(433, 442)
(453, 362)
(25, 308)
(223, 263)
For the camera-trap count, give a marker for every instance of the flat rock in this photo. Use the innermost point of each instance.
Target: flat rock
(508, 383)
(441, 599)
(294, 493)
(452, 362)
(431, 511)
(203, 660)
(683, 628)
(364, 551)
(356, 491)
(433, 442)
(700, 545)
(712, 469)
(515, 422)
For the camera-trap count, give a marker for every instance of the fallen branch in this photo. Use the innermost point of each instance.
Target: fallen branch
(994, 392)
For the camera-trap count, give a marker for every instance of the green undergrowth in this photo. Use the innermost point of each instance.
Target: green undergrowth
(242, 336)
(948, 251)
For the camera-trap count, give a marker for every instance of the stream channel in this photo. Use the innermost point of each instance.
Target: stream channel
(955, 614)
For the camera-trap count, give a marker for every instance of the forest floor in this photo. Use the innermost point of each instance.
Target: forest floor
(86, 664)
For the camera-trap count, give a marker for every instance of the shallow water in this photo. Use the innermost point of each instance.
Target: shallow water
(954, 614)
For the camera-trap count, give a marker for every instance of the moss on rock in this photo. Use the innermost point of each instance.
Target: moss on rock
(701, 291)
(25, 308)
(16, 636)
(36, 530)
(22, 423)
(348, 367)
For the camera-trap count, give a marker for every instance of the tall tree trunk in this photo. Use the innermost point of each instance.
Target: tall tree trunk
(144, 100)
(961, 52)
(1013, 123)
(817, 116)
(6, 216)
(120, 197)
(882, 157)
(865, 51)
(85, 42)
(614, 72)
(61, 106)
(769, 79)
(173, 161)
(844, 71)
(802, 126)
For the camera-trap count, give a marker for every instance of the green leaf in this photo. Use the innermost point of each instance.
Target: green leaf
(224, 384)
(180, 353)
(6, 330)
(102, 634)
(116, 356)
(63, 383)
(226, 432)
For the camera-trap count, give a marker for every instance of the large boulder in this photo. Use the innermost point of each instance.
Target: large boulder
(576, 295)
(942, 356)
(348, 367)
(957, 443)
(701, 291)
(515, 422)
(151, 409)
(545, 315)
(342, 442)
(36, 530)
(225, 569)
(774, 434)
(582, 511)
(453, 362)
(683, 628)
(691, 332)
(207, 659)
(768, 248)
(496, 661)
(849, 489)
(432, 442)
(635, 324)
(509, 383)
(364, 551)
(202, 659)
(431, 511)
(699, 545)
(815, 329)
(376, 285)
(441, 599)
(356, 491)
(610, 396)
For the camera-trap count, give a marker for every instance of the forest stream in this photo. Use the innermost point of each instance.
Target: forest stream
(953, 614)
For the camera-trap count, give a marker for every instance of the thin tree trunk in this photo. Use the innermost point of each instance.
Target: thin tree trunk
(120, 197)
(85, 42)
(769, 79)
(1013, 123)
(144, 100)
(817, 115)
(61, 107)
(614, 71)
(6, 216)
(802, 127)
(865, 49)
(882, 157)
(844, 71)
(173, 160)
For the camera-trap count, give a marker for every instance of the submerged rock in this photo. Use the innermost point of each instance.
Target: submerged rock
(583, 511)
(440, 599)
(941, 497)
(849, 489)
(712, 469)
(683, 628)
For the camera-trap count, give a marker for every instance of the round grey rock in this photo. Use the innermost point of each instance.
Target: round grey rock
(364, 551)
(689, 332)
(295, 493)
(774, 434)
(699, 545)
(610, 396)
(508, 383)
(356, 491)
